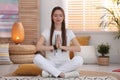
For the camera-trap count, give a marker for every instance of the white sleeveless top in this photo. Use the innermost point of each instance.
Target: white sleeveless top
(57, 56)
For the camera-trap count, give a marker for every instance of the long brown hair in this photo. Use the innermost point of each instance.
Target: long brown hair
(63, 29)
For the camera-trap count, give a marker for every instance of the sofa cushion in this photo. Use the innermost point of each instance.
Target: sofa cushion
(4, 54)
(88, 54)
(27, 70)
(83, 41)
(22, 49)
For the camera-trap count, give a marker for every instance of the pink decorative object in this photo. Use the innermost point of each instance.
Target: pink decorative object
(116, 70)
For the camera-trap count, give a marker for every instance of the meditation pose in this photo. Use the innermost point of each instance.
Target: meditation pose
(54, 47)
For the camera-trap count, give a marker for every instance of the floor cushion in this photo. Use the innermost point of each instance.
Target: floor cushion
(22, 59)
(22, 49)
(27, 70)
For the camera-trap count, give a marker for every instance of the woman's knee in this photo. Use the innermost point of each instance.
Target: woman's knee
(37, 58)
(78, 60)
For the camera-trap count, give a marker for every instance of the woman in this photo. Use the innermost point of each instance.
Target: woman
(56, 45)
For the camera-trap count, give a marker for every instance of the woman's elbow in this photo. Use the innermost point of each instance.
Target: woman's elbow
(79, 49)
(37, 48)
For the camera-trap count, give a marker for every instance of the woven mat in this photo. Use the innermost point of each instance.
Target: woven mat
(76, 78)
(84, 75)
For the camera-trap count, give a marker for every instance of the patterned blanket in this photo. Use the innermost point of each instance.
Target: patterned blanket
(41, 78)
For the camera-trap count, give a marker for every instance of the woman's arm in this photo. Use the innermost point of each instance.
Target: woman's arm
(41, 45)
(74, 47)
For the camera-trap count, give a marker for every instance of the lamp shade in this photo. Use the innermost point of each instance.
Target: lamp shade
(17, 32)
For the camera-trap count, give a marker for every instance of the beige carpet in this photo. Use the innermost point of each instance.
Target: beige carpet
(96, 73)
(83, 74)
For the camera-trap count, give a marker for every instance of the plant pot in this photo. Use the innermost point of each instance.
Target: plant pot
(104, 61)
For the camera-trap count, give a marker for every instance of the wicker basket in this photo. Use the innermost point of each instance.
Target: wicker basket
(104, 61)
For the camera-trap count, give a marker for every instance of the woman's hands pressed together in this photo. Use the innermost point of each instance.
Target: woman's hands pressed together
(58, 41)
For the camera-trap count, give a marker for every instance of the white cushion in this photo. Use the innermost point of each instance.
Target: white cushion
(88, 54)
(4, 54)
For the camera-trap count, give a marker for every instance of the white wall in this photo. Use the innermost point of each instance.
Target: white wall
(105, 37)
(46, 7)
(96, 37)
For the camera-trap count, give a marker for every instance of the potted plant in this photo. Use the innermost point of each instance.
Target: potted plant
(113, 16)
(103, 50)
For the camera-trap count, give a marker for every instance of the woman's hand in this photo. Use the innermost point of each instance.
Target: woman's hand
(58, 41)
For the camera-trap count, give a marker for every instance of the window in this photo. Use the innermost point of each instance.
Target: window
(83, 14)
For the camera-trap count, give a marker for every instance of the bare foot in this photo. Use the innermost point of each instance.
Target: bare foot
(62, 75)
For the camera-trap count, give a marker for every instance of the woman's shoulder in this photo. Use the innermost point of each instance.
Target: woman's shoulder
(69, 31)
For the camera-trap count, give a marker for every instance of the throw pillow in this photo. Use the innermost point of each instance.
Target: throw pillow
(88, 54)
(83, 41)
(4, 54)
(27, 70)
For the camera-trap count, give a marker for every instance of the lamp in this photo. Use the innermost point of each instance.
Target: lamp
(17, 32)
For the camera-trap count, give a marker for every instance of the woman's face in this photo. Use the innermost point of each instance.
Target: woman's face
(58, 17)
